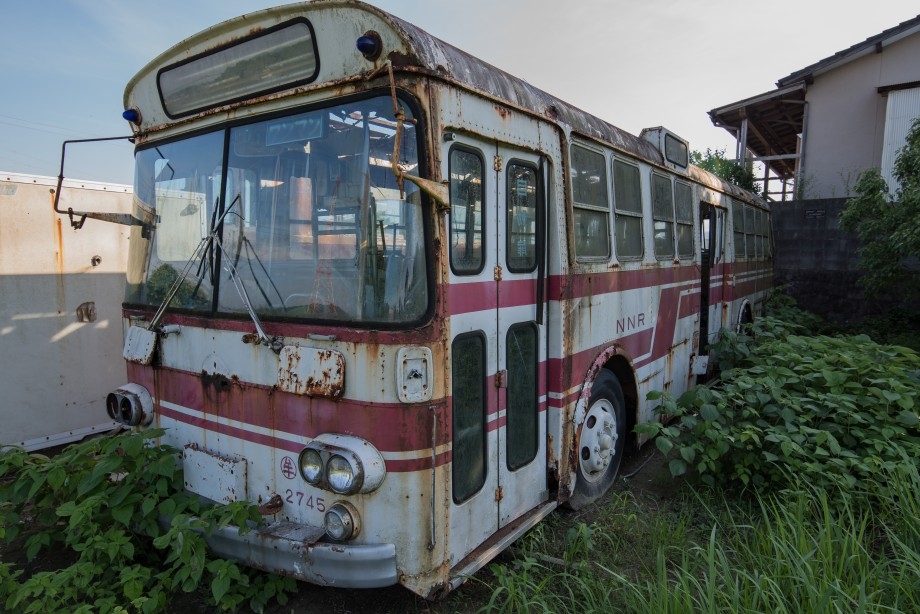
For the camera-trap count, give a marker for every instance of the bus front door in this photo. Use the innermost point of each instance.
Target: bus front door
(712, 258)
(498, 339)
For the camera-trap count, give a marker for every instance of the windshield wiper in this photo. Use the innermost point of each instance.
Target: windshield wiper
(204, 252)
(275, 343)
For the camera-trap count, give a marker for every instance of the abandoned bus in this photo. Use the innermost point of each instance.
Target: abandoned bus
(405, 302)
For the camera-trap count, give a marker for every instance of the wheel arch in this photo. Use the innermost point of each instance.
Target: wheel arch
(622, 369)
(745, 315)
(618, 362)
(613, 362)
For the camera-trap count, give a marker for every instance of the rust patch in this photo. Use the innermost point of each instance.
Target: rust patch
(398, 58)
(216, 381)
(272, 506)
(312, 372)
(59, 238)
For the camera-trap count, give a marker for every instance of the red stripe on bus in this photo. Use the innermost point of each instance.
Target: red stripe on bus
(389, 426)
(410, 465)
(393, 465)
(487, 295)
(472, 296)
(231, 431)
(590, 284)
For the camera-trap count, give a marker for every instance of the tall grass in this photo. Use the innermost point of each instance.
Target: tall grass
(817, 439)
(792, 551)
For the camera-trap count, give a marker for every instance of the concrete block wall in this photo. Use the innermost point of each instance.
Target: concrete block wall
(819, 261)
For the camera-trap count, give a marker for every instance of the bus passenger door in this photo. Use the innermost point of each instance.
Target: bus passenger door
(712, 259)
(521, 337)
(472, 296)
(498, 349)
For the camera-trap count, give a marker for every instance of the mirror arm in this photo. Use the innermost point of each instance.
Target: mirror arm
(117, 218)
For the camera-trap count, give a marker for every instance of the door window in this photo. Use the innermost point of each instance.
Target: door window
(521, 423)
(467, 223)
(521, 206)
(468, 368)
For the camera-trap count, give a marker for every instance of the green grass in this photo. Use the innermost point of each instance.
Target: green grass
(801, 493)
(788, 551)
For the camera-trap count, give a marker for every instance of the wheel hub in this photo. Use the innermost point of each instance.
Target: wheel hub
(598, 440)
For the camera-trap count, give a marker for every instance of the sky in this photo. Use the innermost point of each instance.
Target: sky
(634, 63)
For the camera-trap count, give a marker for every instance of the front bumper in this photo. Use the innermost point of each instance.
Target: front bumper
(294, 550)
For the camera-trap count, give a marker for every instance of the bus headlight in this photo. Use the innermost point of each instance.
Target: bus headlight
(130, 405)
(341, 522)
(342, 464)
(339, 474)
(311, 466)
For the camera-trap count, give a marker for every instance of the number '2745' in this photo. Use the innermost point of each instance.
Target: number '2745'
(317, 503)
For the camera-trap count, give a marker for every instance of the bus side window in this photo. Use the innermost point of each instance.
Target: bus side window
(683, 208)
(592, 209)
(663, 216)
(749, 232)
(738, 229)
(467, 241)
(627, 199)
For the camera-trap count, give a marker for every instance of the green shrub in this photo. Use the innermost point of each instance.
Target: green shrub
(833, 410)
(95, 508)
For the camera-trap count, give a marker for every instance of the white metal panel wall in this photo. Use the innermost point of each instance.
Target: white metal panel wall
(903, 108)
(60, 310)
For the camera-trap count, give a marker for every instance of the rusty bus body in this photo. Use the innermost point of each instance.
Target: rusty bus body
(406, 365)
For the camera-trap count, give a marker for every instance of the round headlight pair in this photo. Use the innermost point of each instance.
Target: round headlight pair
(130, 405)
(342, 464)
(338, 474)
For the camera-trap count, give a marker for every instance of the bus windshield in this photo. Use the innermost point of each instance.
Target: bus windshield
(299, 216)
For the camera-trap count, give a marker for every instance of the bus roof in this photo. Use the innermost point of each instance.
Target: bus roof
(416, 51)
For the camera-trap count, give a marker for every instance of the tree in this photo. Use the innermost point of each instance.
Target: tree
(732, 171)
(887, 225)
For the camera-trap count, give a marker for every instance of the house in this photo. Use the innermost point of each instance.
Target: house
(825, 124)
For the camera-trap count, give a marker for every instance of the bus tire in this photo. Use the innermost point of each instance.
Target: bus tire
(601, 441)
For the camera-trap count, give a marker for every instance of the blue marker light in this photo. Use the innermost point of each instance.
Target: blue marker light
(370, 45)
(132, 115)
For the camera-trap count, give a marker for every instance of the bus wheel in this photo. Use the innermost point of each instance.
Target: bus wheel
(601, 442)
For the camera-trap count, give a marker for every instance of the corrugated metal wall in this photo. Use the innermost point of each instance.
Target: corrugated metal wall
(903, 108)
